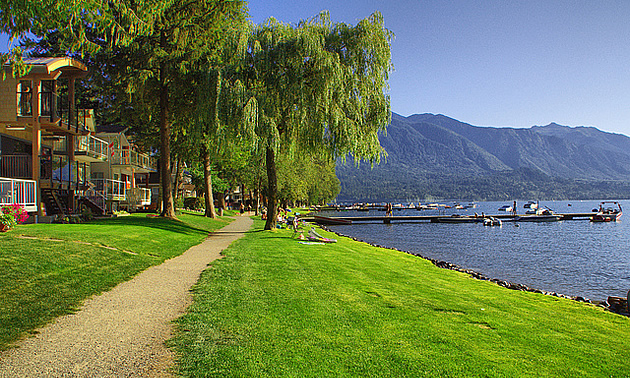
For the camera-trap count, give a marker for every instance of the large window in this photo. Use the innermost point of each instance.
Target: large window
(25, 98)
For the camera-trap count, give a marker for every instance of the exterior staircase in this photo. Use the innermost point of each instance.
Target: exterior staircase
(85, 202)
(54, 201)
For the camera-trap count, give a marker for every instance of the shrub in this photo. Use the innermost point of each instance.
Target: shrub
(11, 215)
(194, 203)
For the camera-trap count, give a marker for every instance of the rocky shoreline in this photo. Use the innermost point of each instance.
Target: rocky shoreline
(621, 310)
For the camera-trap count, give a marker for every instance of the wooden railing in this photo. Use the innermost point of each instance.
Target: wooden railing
(16, 166)
(23, 192)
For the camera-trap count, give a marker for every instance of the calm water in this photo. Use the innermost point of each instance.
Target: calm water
(568, 257)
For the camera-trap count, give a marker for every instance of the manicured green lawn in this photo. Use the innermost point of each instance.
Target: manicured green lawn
(274, 307)
(57, 266)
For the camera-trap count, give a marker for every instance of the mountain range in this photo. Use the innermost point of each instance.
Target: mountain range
(436, 157)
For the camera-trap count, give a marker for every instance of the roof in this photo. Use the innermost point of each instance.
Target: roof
(67, 66)
(111, 129)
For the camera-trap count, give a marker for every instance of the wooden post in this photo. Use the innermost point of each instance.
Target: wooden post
(70, 141)
(70, 152)
(36, 149)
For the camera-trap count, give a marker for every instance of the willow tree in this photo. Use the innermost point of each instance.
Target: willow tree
(318, 86)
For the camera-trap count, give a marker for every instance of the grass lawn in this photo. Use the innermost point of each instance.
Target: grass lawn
(274, 307)
(47, 270)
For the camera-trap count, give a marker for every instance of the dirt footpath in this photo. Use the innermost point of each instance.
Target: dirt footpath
(121, 333)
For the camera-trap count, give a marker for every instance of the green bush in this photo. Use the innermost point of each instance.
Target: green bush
(194, 203)
(179, 202)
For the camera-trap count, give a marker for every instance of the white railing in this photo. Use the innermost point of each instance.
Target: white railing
(131, 157)
(145, 198)
(138, 197)
(23, 192)
(110, 190)
(92, 146)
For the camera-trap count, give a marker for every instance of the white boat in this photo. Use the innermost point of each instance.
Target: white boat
(492, 221)
(533, 205)
(540, 215)
(607, 214)
(471, 205)
(506, 208)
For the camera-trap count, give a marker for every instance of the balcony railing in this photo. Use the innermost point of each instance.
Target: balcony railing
(139, 197)
(23, 192)
(55, 109)
(133, 158)
(91, 147)
(16, 166)
(111, 190)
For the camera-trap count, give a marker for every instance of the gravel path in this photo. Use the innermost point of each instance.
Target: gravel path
(121, 333)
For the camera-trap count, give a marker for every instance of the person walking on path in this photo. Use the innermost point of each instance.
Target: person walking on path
(122, 332)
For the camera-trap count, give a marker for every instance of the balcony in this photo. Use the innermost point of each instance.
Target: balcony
(103, 191)
(16, 166)
(55, 115)
(23, 192)
(137, 161)
(90, 149)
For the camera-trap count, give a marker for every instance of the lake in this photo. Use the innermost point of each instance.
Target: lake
(577, 258)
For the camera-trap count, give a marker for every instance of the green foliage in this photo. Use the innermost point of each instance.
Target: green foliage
(320, 85)
(273, 307)
(317, 86)
(306, 178)
(7, 220)
(194, 203)
(521, 183)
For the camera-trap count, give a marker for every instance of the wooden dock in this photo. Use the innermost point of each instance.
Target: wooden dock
(432, 218)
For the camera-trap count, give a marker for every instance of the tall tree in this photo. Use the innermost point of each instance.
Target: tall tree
(166, 38)
(318, 86)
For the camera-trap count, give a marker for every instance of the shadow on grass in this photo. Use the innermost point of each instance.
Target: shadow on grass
(158, 223)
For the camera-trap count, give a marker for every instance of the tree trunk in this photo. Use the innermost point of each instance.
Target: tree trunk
(257, 202)
(222, 200)
(168, 210)
(272, 181)
(179, 178)
(207, 185)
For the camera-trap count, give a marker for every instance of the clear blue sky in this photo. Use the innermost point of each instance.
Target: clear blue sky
(496, 63)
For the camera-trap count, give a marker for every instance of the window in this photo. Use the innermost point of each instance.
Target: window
(24, 98)
(47, 103)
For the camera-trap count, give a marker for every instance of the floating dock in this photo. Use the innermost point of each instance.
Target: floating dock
(429, 218)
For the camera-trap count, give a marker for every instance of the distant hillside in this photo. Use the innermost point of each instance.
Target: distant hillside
(434, 156)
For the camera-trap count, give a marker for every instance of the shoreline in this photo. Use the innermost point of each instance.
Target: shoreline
(479, 276)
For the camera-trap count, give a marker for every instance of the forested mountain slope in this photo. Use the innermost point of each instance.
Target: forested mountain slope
(434, 156)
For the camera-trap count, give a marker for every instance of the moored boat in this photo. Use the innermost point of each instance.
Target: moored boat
(533, 205)
(506, 208)
(492, 221)
(607, 214)
(540, 215)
